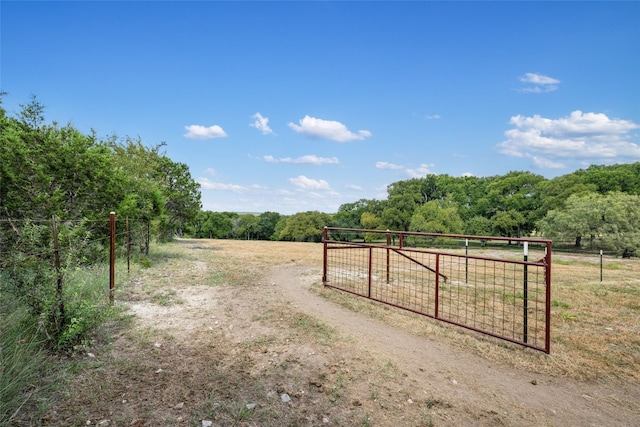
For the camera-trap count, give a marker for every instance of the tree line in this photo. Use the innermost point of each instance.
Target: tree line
(50, 171)
(46, 169)
(594, 208)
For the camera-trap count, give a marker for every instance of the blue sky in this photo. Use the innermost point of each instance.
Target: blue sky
(296, 106)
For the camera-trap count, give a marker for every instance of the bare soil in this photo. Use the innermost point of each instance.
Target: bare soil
(242, 334)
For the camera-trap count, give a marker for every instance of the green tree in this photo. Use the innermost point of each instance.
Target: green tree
(555, 192)
(515, 192)
(350, 214)
(611, 221)
(305, 226)
(248, 226)
(48, 170)
(370, 221)
(437, 216)
(404, 197)
(614, 178)
(508, 223)
(213, 225)
(181, 192)
(478, 226)
(267, 225)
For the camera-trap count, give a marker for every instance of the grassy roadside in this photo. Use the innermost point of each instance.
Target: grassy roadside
(31, 372)
(218, 372)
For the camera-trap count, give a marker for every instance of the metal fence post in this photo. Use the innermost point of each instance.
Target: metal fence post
(112, 256)
(525, 295)
(324, 263)
(388, 253)
(128, 243)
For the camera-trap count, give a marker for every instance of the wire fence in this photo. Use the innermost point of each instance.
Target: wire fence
(502, 289)
(56, 244)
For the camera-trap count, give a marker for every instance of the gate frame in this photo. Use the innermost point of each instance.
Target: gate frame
(544, 262)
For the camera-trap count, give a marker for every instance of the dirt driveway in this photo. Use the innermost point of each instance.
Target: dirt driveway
(232, 335)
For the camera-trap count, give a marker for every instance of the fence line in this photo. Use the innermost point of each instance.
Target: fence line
(37, 241)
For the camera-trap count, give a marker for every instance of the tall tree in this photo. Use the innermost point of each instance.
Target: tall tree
(305, 226)
(437, 216)
(611, 221)
(182, 194)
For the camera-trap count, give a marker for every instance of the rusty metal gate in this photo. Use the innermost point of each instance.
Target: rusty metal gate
(493, 285)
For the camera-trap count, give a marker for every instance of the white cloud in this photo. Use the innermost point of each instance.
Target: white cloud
(210, 171)
(580, 135)
(420, 172)
(309, 159)
(433, 117)
(354, 187)
(327, 129)
(203, 132)
(539, 83)
(207, 184)
(261, 123)
(544, 163)
(467, 174)
(387, 165)
(310, 184)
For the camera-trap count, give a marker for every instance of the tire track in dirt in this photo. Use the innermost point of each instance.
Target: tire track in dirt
(479, 387)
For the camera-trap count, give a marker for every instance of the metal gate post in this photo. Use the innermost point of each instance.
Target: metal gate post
(370, 267)
(388, 244)
(547, 267)
(525, 294)
(324, 257)
(436, 302)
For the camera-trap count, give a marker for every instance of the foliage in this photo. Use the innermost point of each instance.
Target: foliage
(610, 221)
(267, 226)
(48, 170)
(305, 226)
(437, 217)
(213, 225)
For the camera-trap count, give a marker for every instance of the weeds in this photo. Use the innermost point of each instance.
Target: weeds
(23, 361)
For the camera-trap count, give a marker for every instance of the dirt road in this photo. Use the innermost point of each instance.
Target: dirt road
(237, 334)
(484, 393)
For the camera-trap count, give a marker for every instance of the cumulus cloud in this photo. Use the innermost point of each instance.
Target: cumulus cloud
(310, 184)
(387, 165)
(327, 129)
(433, 116)
(538, 83)
(309, 159)
(261, 123)
(354, 187)
(203, 132)
(419, 172)
(592, 136)
(207, 184)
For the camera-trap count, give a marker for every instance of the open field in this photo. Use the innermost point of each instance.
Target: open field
(242, 333)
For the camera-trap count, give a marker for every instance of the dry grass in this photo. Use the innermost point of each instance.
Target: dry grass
(595, 332)
(275, 347)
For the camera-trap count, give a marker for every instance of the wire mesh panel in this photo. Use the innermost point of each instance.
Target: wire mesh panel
(498, 295)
